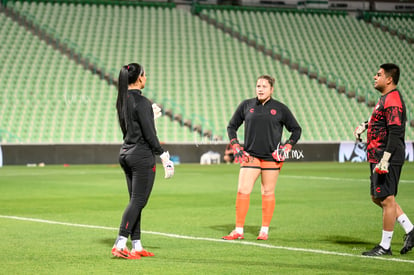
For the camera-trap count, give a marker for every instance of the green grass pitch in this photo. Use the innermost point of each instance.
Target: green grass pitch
(64, 220)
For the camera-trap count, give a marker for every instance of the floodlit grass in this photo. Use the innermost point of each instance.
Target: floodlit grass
(323, 220)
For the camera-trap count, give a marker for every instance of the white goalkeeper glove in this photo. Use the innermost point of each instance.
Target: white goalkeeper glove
(359, 130)
(382, 166)
(168, 165)
(157, 111)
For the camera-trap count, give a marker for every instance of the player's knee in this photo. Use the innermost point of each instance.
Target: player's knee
(244, 191)
(268, 192)
(388, 202)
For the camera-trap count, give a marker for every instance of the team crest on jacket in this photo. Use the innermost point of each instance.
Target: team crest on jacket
(273, 112)
(251, 110)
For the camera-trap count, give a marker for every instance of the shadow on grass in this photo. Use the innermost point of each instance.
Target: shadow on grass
(346, 240)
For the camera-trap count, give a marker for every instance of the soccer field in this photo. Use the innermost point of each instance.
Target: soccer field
(64, 220)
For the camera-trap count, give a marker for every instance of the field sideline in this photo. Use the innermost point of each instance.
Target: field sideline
(64, 220)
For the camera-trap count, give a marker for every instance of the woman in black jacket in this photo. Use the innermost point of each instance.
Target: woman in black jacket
(137, 156)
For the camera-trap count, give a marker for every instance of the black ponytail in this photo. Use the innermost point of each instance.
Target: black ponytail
(122, 96)
(128, 75)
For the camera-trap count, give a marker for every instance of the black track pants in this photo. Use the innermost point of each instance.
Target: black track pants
(140, 174)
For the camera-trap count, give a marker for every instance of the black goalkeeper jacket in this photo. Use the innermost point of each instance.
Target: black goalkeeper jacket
(141, 135)
(263, 126)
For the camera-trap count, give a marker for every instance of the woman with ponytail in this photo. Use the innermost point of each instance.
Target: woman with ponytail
(136, 157)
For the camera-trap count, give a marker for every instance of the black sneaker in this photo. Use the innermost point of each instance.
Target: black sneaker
(408, 242)
(378, 251)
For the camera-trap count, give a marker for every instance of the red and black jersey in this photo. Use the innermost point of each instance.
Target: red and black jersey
(386, 129)
(263, 126)
(141, 135)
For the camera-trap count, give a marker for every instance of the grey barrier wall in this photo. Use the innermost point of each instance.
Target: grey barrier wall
(23, 154)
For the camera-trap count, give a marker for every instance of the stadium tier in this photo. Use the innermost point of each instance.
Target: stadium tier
(401, 25)
(195, 70)
(339, 46)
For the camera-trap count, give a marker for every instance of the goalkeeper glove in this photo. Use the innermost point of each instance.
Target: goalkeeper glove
(157, 111)
(239, 154)
(382, 166)
(281, 153)
(359, 130)
(168, 165)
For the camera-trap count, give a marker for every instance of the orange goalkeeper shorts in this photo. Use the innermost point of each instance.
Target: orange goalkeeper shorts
(257, 163)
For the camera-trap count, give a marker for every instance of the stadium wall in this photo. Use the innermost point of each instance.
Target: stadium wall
(35, 154)
(23, 154)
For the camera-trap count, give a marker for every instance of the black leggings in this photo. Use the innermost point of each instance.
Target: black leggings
(140, 175)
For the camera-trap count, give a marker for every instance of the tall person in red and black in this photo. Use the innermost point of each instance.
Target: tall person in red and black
(386, 154)
(263, 155)
(137, 156)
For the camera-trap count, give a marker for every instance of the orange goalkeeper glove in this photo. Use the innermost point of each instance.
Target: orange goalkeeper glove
(281, 153)
(239, 154)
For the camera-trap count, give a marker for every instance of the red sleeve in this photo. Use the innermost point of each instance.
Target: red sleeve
(393, 99)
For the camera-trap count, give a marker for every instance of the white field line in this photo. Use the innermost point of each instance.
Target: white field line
(169, 235)
(336, 179)
(363, 179)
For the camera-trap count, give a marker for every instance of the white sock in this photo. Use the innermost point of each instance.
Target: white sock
(136, 245)
(121, 242)
(405, 223)
(386, 239)
(239, 230)
(264, 229)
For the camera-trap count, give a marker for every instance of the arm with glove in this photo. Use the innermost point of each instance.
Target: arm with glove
(239, 154)
(282, 152)
(395, 149)
(238, 151)
(382, 166)
(360, 130)
(393, 137)
(168, 164)
(157, 111)
(292, 126)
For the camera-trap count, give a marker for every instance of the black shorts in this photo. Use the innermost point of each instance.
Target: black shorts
(385, 185)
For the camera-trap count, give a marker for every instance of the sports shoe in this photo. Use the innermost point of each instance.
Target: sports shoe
(120, 253)
(408, 242)
(142, 253)
(262, 236)
(233, 236)
(377, 251)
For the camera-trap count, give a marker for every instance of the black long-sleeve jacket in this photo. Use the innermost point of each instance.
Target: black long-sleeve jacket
(141, 135)
(263, 126)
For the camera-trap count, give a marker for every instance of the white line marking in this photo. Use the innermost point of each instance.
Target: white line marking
(366, 179)
(306, 250)
(337, 179)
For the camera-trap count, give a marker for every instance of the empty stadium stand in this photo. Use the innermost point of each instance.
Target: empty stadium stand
(59, 62)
